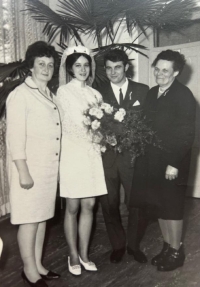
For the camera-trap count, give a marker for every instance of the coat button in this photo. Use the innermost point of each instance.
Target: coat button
(56, 153)
(57, 124)
(57, 139)
(55, 108)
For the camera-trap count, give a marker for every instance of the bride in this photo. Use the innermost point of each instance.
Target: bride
(81, 170)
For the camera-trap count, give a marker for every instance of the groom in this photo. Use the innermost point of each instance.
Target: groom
(121, 92)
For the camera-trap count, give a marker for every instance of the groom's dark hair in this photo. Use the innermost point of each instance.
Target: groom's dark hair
(116, 55)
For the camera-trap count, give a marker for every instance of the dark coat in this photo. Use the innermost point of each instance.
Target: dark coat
(173, 118)
(135, 92)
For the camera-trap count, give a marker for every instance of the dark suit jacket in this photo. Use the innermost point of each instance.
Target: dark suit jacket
(135, 92)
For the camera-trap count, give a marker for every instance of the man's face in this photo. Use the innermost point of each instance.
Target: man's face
(116, 72)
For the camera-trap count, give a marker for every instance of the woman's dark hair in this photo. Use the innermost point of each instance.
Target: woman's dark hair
(177, 58)
(41, 49)
(71, 59)
(116, 55)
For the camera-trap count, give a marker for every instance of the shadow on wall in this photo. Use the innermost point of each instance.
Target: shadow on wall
(186, 75)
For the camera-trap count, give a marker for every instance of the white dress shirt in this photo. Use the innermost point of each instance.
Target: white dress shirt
(116, 89)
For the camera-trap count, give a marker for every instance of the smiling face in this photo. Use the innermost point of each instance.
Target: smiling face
(116, 72)
(81, 69)
(43, 69)
(164, 73)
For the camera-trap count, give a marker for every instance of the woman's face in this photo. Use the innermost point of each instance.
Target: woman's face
(43, 69)
(164, 73)
(81, 69)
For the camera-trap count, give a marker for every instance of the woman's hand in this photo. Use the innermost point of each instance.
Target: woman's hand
(171, 172)
(25, 179)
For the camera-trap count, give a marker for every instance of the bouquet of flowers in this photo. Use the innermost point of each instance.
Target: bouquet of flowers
(119, 129)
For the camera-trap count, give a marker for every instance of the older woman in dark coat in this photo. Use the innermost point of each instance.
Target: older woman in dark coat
(160, 176)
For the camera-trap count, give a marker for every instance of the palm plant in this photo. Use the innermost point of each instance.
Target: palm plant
(103, 21)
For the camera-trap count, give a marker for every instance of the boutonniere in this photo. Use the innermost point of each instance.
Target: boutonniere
(130, 98)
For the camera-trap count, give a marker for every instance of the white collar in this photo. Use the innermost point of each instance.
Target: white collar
(116, 88)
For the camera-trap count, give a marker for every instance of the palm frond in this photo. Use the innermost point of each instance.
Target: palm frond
(13, 70)
(93, 16)
(54, 23)
(8, 86)
(158, 14)
(11, 75)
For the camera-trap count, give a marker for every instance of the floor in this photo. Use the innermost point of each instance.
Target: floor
(127, 273)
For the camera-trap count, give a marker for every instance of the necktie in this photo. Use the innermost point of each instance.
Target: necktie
(121, 98)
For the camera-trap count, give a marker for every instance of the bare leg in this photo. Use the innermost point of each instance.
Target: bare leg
(26, 239)
(164, 230)
(85, 226)
(175, 228)
(40, 235)
(70, 228)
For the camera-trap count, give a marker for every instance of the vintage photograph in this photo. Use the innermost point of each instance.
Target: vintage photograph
(99, 143)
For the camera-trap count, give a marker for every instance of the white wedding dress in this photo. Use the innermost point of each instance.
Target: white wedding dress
(81, 169)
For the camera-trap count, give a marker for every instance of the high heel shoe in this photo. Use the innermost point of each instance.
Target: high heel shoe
(38, 283)
(50, 275)
(89, 266)
(75, 269)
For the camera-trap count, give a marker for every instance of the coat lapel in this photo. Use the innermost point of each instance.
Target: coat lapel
(131, 95)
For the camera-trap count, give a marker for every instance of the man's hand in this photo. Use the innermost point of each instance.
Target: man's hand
(171, 172)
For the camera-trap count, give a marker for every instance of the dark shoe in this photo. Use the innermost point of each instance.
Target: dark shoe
(138, 255)
(174, 259)
(50, 275)
(158, 259)
(116, 255)
(38, 283)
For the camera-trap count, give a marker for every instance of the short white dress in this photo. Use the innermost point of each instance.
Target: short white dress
(81, 168)
(33, 134)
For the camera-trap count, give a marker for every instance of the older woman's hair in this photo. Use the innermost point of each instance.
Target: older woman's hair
(71, 59)
(41, 49)
(177, 58)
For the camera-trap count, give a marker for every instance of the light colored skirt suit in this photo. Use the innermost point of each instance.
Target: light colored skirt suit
(33, 134)
(81, 169)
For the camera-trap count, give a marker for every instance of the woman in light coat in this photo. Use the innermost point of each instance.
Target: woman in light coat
(33, 148)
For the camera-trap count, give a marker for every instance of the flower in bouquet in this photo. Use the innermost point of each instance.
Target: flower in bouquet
(111, 140)
(87, 121)
(97, 112)
(119, 115)
(107, 108)
(95, 124)
(103, 149)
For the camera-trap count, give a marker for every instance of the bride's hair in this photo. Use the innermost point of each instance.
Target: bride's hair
(71, 59)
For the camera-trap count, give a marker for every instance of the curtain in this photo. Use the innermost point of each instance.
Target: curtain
(4, 190)
(17, 31)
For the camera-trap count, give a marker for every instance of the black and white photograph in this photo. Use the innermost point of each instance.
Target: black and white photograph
(99, 143)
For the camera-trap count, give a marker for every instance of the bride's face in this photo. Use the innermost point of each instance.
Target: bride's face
(81, 69)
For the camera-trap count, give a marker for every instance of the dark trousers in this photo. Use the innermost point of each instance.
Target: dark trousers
(115, 176)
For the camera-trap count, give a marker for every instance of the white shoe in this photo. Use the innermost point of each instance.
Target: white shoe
(89, 266)
(75, 269)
